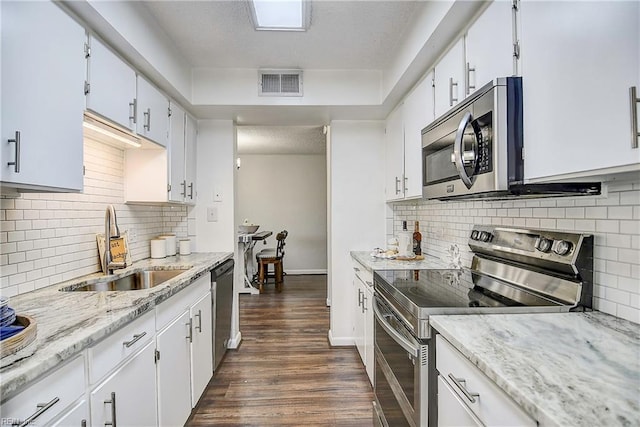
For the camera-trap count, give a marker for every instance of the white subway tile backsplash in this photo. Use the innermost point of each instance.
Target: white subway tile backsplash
(612, 218)
(47, 238)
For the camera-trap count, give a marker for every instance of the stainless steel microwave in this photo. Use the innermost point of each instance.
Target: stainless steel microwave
(476, 149)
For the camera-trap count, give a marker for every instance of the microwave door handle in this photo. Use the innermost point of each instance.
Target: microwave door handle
(458, 152)
(404, 343)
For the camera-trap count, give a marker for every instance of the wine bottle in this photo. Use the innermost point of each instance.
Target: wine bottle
(417, 240)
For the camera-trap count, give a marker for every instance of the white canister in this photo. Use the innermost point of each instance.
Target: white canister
(171, 243)
(185, 247)
(158, 248)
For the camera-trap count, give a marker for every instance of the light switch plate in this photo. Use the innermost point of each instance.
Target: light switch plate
(212, 214)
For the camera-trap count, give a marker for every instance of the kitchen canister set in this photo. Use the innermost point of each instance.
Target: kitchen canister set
(167, 245)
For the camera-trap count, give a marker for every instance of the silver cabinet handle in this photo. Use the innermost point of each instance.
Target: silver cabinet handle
(184, 188)
(83, 423)
(134, 110)
(42, 408)
(112, 402)
(634, 116)
(16, 160)
(135, 339)
(469, 85)
(190, 325)
(397, 185)
(147, 120)
(364, 303)
(451, 98)
(360, 295)
(191, 191)
(405, 179)
(460, 383)
(199, 316)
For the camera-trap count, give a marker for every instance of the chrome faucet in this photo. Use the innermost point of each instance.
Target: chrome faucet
(108, 265)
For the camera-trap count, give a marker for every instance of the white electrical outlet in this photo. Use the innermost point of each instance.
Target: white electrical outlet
(212, 214)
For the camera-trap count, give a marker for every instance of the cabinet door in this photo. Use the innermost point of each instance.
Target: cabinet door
(78, 416)
(178, 186)
(489, 46)
(152, 113)
(358, 322)
(449, 79)
(133, 387)
(191, 159)
(579, 60)
(451, 411)
(201, 347)
(368, 334)
(174, 386)
(112, 85)
(394, 147)
(418, 113)
(43, 69)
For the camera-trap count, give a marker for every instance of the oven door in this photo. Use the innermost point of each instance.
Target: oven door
(401, 378)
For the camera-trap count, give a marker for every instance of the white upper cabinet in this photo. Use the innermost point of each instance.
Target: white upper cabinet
(177, 189)
(449, 79)
(417, 113)
(489, 46)
(191, 135)
(579, 60)
(111, 85)
(152, 119)
(43, 69)
(394, 155)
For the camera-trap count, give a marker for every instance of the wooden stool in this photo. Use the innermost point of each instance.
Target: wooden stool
(275, 257)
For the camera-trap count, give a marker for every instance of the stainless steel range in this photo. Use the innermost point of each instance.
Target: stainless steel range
(512, 271)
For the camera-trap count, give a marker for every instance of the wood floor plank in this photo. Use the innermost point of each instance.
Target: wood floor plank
(285, 373)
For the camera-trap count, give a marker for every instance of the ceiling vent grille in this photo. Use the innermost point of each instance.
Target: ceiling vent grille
(280, 83)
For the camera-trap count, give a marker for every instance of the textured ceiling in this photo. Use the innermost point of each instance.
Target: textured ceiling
(281, 140)
(343, 34)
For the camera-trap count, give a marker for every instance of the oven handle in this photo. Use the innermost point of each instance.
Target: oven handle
(404, 343)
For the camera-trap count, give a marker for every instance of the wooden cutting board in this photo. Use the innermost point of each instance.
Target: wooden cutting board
(415, 258)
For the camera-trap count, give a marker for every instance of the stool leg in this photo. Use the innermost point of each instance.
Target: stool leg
(278, 273)
(261, 274)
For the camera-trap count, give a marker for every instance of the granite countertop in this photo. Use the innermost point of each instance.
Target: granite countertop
(69, 322)
(429, 262)
(579, 369)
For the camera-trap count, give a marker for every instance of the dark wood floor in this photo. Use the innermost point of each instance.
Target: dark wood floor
(285, 373)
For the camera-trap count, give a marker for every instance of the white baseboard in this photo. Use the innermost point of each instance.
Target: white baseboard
(301, 272)
(235, 341)
(340, 341)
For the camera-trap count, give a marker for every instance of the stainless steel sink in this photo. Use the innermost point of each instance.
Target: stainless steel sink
(144, 279)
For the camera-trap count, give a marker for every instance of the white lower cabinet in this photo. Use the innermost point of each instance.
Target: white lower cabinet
(48, 398)
(78, 416)
(173, 370)
(201, 347)
(128, 396)
(467, 397)
(363, 316)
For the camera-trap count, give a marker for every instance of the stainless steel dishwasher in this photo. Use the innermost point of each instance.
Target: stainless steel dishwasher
(222, 303)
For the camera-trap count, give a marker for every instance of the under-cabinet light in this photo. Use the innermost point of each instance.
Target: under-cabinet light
(280, 15)
(96, 126)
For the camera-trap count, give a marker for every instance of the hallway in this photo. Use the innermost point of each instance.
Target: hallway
(285, 373)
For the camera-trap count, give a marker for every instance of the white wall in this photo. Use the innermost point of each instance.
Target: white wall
(614, 220)
(357, 211)
(288, 192)
(215, 174)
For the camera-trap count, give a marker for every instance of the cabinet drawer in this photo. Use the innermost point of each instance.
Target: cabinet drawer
(108, 353)
(182, 301)
(57, 392)
(492, 406)
(365, 275)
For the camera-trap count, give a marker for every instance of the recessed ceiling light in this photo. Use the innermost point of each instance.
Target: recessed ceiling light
(280, 15)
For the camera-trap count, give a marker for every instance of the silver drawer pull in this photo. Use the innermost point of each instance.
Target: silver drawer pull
(634, 116)
(190, 325)
(42, 408)
(199, 326)
(111, 402)
(460, 383)
(134, 110)
(191, 191)
(147, 120)
(16, 160)
(136, 338)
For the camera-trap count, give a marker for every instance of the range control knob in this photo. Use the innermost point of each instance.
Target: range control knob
(562, 247)
(485, 236)
(474, 235)
(543, 244)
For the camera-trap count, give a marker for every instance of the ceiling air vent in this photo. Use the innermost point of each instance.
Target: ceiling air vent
(280, 83)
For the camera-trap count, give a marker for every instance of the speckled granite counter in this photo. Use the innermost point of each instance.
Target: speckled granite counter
(563, 369)
(69, 322)
(428, 263)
